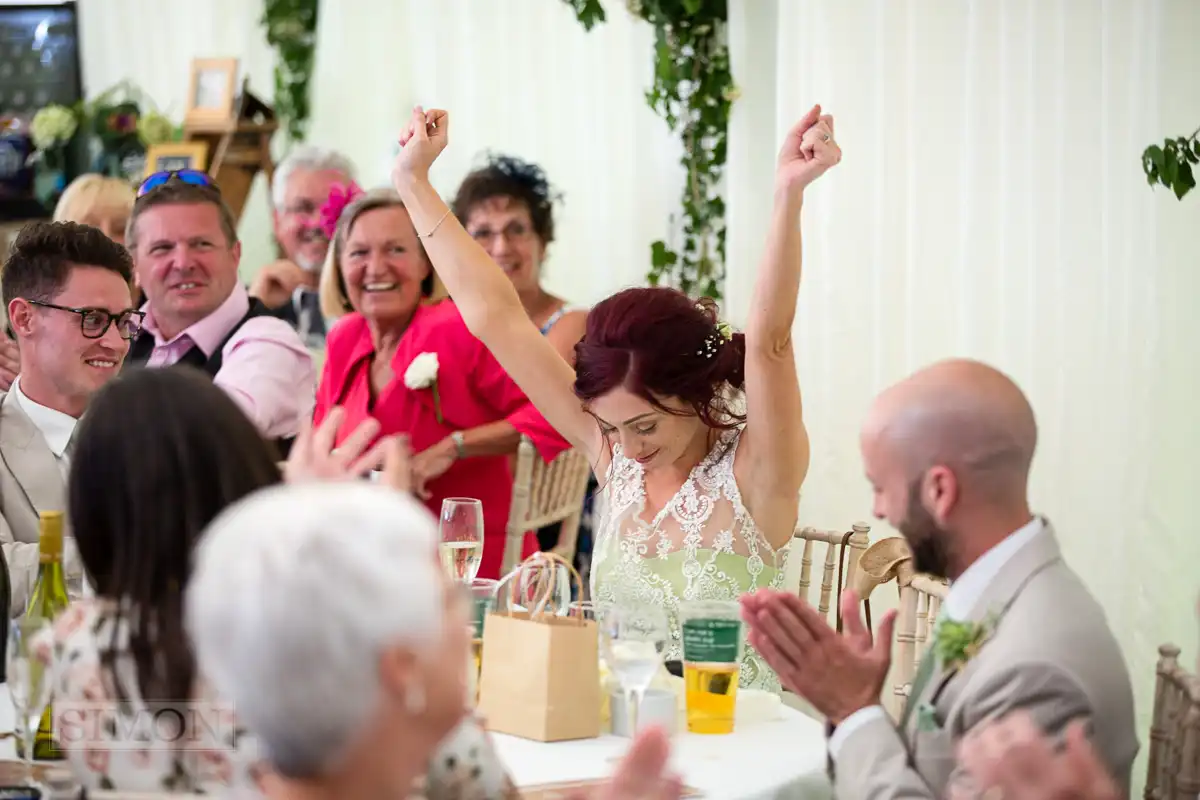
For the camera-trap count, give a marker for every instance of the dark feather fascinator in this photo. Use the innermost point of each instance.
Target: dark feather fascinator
(503, 175)
(525, 173)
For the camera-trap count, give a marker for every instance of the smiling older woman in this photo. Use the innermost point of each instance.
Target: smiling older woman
(416, 369)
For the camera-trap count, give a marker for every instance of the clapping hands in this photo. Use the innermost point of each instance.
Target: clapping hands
(1013, 757)
(421, 141)
(314, 457)
(838, 673)
(808, 151)
(642, 773)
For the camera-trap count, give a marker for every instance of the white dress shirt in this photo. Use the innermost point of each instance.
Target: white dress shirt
(959, 603)
(55, 426)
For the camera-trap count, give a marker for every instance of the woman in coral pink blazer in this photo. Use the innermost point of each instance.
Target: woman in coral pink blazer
(417, 369)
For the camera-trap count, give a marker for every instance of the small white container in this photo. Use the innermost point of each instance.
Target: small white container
(658, 708)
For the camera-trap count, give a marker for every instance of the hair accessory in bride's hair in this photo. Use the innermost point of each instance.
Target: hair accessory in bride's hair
(340, 196)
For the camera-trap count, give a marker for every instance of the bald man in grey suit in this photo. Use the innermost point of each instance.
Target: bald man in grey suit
(948, 453)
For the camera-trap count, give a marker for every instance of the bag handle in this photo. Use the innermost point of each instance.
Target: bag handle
(840, 578)
(542, 570)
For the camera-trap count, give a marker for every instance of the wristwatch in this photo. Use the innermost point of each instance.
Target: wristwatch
(460, 444)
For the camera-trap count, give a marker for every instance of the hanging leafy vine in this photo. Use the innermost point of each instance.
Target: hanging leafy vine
(693, 91)
(1171, 163)
(291, 27)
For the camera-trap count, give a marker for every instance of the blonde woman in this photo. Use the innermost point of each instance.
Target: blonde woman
(99, 201)
(102, 202)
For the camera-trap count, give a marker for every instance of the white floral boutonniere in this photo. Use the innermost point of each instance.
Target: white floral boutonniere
(422, 374)
(956, 643)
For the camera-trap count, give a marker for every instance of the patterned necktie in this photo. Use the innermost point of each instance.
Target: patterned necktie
(924, 673)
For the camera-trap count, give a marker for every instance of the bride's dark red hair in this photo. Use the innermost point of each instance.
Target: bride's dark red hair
(658, 343)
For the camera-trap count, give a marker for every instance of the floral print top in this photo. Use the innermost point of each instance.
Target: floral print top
(126, 746)
(112, 744)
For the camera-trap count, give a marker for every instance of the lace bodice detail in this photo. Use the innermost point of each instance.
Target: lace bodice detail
(702, 545)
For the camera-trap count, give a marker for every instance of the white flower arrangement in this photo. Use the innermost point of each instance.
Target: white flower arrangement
(422, 374)
(154, 128)
(52, 127)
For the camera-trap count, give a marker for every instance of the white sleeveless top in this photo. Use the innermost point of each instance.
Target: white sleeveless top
(703, 545)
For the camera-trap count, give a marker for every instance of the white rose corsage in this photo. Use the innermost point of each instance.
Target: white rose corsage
(422, 374)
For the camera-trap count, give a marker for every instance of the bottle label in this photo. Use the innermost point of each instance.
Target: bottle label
(712, 641)
(481, 605)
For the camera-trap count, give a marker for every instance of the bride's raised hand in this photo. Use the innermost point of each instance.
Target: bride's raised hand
(421, 141)
(808, 151)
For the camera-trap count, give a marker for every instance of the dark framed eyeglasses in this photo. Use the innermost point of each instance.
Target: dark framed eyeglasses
(193, 177)
(94, 322)
(512, 232)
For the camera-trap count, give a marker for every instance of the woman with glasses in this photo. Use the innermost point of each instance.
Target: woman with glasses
(507, 206)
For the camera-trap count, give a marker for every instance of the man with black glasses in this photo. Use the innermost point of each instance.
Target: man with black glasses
(67, 291)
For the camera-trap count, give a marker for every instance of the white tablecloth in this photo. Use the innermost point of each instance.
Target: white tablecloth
(779, 760)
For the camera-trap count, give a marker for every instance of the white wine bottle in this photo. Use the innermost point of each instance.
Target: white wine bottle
(49, 599)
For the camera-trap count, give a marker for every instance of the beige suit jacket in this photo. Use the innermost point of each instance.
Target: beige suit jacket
(31, 481)
(1051, 653)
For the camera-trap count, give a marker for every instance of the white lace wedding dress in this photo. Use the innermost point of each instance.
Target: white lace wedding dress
(702, 545)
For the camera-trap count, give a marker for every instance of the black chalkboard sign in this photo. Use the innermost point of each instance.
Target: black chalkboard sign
(39, 58)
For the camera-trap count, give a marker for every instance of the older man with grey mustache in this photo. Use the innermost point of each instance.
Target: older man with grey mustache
(288, 286)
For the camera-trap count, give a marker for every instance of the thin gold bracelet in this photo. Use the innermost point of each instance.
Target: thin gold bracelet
(436, 226)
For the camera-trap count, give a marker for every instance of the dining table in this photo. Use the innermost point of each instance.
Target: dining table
(773, 759)
(770, 759)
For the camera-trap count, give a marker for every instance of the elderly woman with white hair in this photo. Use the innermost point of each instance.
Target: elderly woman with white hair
(347, 654)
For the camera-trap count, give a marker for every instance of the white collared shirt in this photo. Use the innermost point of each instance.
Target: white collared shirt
(55, 426)
(959, 603)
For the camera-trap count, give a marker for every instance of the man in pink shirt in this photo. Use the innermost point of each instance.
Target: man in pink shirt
(185, 250)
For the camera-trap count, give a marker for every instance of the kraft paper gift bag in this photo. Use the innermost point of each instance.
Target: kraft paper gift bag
(541, 665)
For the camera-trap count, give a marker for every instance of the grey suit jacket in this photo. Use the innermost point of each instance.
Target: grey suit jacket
(1051, 653)
(31, 481)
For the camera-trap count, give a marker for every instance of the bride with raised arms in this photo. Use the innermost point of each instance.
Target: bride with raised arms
(698, 501)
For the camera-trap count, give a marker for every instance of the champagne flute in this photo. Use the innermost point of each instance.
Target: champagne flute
(633, 640)
(461, 528)
(29, 681)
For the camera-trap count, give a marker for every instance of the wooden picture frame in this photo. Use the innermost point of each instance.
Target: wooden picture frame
(176, 156)
(212, 90)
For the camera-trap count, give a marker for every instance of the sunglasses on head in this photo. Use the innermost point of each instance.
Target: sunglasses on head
(190, 176)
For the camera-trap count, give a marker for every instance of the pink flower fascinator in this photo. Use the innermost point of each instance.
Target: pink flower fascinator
(339, 197)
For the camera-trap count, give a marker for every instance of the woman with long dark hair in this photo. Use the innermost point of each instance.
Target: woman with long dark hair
(159, 455)
(699, 499)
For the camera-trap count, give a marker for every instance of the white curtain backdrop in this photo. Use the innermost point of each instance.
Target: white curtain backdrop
(519, 77)
(990, 204)
(152, 43)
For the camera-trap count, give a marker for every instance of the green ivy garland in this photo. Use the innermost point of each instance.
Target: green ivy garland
(693, 91)
(291, 27)
(1171, 163)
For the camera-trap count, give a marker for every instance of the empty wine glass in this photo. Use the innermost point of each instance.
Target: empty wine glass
(633, 640)
(29, 681)
(461, 528)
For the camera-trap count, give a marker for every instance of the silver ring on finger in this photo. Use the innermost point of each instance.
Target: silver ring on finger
(825, 137)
